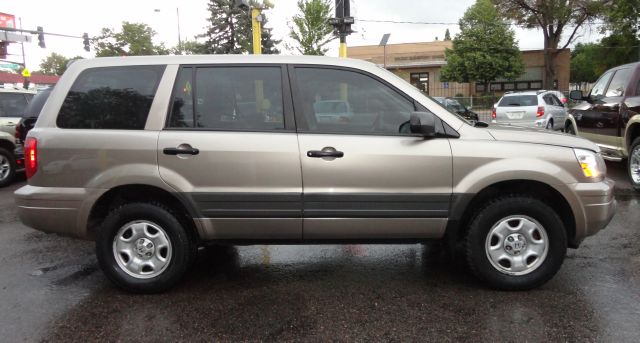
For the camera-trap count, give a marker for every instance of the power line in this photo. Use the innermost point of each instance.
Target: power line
(446, 23)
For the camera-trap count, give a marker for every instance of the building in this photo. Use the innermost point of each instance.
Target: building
(12, 80)
(420, 64)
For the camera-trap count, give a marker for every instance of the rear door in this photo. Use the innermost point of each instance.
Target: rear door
(230, 148)
(364, 176)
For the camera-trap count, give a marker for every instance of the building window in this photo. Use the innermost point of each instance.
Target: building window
(420, 81)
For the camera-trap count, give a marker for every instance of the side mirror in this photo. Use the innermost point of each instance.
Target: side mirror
(423, 123)
(576, 95)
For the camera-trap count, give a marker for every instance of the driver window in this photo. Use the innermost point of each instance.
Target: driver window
(341, 101)
(598, 88)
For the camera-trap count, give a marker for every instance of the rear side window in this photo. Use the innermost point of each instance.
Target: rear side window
(12, 104)
(111, 98)
(228, 98)
(619, 82)
(519, 100)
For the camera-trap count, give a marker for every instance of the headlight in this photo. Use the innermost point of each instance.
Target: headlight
(591, 164)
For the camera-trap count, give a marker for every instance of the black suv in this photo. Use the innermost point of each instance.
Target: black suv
(610, 116)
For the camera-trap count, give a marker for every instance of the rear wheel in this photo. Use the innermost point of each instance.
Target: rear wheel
(515, 242)
(549, 125)
(570, 129)
(7, 167)
(143, 247)
(633, 164)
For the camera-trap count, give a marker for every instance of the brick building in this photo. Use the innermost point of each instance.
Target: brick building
(420, 64)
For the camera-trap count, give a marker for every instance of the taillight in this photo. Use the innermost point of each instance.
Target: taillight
(493, 113)
(564, 100)
(540, 112)
(30, 156)
(17, 133)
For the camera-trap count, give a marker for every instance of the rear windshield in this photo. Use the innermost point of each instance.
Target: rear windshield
(519, 100)
(36, 104)
(12, 104)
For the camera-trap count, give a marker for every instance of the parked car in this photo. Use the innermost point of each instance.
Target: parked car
(456, 107)
(150, 157)
(610, 116)
(563, 98)
(537, 109)
(12, 104)
(26, 123)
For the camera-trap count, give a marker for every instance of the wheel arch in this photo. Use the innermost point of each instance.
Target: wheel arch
(464, 206)
(123, 194)
(632, 132)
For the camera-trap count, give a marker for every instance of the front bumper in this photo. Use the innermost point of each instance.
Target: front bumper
(598, 206)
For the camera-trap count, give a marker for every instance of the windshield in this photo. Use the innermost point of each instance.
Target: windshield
(12, 104)
(456, 106)
(518, 100)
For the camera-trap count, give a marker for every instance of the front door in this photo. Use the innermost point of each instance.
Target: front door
(599, 118)
(364, 177)
(231, 150)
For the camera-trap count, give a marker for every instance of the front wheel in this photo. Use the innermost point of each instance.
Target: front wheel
(516, 242)
(570, 129)
(634, 164)
(143, 247)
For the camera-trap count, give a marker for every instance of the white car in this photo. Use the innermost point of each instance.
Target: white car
(537, 109)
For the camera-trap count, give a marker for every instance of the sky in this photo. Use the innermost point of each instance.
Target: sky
(74, 17)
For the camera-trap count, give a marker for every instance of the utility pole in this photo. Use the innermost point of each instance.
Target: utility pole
(256, 30)
(342, 23)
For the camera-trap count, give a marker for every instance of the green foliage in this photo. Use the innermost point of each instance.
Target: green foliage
(189, 47)
(589, 61)
(229, 29)
(447, 35)
(55, 64)
(621, 17)
(134, 39)
(553, 17)
(484, 50)
(311, 29)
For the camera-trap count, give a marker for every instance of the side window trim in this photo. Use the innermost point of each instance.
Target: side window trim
(288, 106)
(301, 122)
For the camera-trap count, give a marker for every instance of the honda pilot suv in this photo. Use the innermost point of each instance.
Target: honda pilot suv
(152, 157)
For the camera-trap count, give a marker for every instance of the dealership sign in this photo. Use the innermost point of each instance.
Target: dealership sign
(7, 20)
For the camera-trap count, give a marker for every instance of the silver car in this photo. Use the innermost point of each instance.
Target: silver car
(537, 109)
(152, 157)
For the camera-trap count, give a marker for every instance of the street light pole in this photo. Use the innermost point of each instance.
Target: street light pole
(179, 38)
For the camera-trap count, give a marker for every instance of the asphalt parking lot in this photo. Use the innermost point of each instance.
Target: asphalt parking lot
(52, 290)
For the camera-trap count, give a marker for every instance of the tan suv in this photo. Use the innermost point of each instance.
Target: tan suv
(155, 156)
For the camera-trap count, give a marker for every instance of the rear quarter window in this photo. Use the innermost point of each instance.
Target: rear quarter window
(111, 98)
(519, 100)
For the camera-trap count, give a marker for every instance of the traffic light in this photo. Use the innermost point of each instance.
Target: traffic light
(85, 40)
(41, 37)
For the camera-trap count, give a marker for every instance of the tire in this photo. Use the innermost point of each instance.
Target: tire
(570, 129)
(7, 167)
(512, 210)
(633, 164)
(138, 224)
(549, 125)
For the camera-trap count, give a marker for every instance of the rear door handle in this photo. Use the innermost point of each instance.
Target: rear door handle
(325, 152)
(182, 150)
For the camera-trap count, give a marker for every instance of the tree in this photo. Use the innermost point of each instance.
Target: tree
(484, 50)
(189, 47)
(55, 64)
(447, 35)
(553, 17)
(589, 61)
(229, 30)
(311, 29)
(134, 39)
(621, 17)
(583, 63)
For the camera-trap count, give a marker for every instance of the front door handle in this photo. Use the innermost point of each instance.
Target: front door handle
(183, 149)
(325, 152)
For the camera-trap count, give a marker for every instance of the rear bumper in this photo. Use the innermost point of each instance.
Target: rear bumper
(598, 204)
(58, 210)
(19, 155)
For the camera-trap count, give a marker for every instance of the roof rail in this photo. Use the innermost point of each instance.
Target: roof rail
(541, 91)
